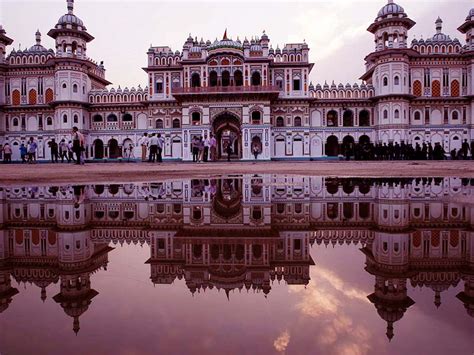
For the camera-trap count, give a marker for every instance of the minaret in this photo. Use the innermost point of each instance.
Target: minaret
(4, 42)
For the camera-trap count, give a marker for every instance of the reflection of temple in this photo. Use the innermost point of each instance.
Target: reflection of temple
(242, 232)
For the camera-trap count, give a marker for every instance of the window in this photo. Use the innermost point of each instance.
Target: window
(225, 78)
(159, 124)
(176, 123)
(297, 121)
(238, 78)
(15, 122)
(196, 118)
(127, 117)
(49, 121)
(396, 114)
(417, 116)
(396, 80)
(112, 118)
(385, 114)
(280, 122)
(256, 79)
(159, 87)
(213, 78)
(64, 118)
(279, 83)
(76, 119)
(427, 78)
(296, 84)
(455, 115)
(195, 80)
(332, 119)
(256, 116)
(74, 88)
(97, 118)
(385, 81)
(64, 86)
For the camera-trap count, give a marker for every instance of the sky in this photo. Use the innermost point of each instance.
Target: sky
(124, 29)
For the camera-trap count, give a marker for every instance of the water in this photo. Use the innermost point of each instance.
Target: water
(246, 264)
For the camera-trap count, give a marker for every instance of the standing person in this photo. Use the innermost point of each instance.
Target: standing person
(213, 147)
(54, 150)
(255, 151)
(228, 150)
(465, 149)
(63, 150)
(32, 147)
(77, 145)
(161, 145)
(201, 150)
(195, 149)
(143, 142)
(23, 153)
(7, 153)
(70, 152)
(207, 146)
(430, 151)
(153, 143)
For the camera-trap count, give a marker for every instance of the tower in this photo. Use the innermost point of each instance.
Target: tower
(4, 42)
(467, 28)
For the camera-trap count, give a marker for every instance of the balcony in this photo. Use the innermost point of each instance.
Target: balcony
(271, 90)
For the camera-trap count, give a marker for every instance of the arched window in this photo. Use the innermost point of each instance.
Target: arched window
(417, 116)
(455, 115)
(49, 121)
(195, 80)
(112, 118)
(396, 80)
(348, 119)
(213, 78)
(97, 118)
(297, 121)
(159, 124)
(385, 114)
(176, 123)
(75, 119)
(364, 118)
(455, 88)
(127, 117)
(32, 97)
(64, 118)
(256, 79)
(238, 78)
(16, 97)
(196, 118)
(396, 114)
(385, 81)
(256, 117)
(332, 119)
(74, 88)
(225, 78)
(280, 122)
(417, 89)
(15, 122)
(64, 86)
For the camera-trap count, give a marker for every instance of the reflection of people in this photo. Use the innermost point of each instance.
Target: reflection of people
(79, 195)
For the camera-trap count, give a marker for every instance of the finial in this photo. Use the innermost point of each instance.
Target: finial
(439, 25)
(225, 35)
(38, 37)
(70, 6)
(390, 1)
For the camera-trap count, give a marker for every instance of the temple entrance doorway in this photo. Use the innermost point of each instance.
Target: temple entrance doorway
(226, 128)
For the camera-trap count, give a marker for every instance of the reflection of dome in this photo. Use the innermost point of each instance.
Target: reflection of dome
(391, 9)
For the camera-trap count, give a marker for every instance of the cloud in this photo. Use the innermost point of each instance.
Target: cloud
(281, 343)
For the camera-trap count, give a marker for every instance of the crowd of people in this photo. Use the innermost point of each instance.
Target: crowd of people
(397, 151)
(71, 151)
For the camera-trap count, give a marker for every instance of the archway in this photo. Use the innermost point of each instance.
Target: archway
(226, 128)
(348, 118)
(98, 149)
(225, 78)
(238, 78)
(364, 118)
(332, 146)
(195, 80)
(114, 149)
(348, 145)
(256, 79)
(363, 140)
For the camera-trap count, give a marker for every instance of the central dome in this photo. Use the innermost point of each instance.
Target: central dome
(226, 43)
(391, 9)
(70, 18)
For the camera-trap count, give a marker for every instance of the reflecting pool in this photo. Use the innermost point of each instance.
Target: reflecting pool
(253, 264)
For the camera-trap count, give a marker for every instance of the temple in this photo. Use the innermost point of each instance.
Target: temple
(247, 93)
(242, 234)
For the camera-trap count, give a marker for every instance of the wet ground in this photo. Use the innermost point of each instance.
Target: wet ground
(251, 264)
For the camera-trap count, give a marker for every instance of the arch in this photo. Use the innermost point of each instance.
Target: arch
(385, 81)
(176, 123)
(97, 118)
(455, 115)
(417, 116)
(225, 78)
(49, 121)
(332, 146)
(112, 118)
(455, 90)
(195, 80)
(417, 88)
(297, 121)
(98, 149)
(364, 139)
(114, 149)
(316, 147)
(226, 128)
(213, 78)
(436, 88)
(196, 118)
(238, 78)
(280, 122)
(348, 118)
(396, 114)
(396, 80)
(364, 118)
(127, 117)
(32, 97)
(16, 98)
(49, 96)
(256, 117)
(256, 79)
(332, 118)
(159, 124)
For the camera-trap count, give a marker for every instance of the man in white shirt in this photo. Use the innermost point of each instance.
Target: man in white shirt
(161, 145)
(143, 142)
(153, 143)
(207, 146)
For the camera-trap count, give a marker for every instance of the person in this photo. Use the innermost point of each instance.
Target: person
(430, 151)
(228, 150)
(153, 143)
(255, 151)
(77, 145)
(195, 149)
(54, 150)
(23, 153)
(7, 153)
(213, 147)
(32, 147)
(201, 150)
(160, 146)
(1, 151)
(70, 152)
(143, 142)
(207, 146)
(465, 149)
(63, 150)
(453, 154)
(438, 151)
(128, 152)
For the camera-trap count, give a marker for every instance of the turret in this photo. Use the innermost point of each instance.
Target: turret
(4, 42)
(467, 28)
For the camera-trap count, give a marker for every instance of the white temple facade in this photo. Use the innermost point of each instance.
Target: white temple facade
(246, 93)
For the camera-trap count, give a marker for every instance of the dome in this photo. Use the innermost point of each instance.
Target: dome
(391, 9)
(70, 18)
(38, 47)
(470, 15)
(255, 48)
(195, 49)
(226, 43)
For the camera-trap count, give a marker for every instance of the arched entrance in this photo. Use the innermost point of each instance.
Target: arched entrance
(114, 149)
(348, 145)
(226, 128)
(332, 146)
(98, 149)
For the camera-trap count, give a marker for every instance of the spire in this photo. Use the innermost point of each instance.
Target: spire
(38, 37)
(70, 6)
(75, 325)
(225, 35)
(390, 1)
(390, 333)
(439, 25)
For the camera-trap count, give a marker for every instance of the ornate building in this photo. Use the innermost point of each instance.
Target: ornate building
(246, 93)
(243, 234)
